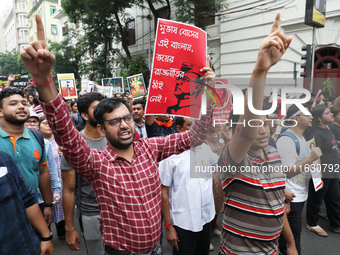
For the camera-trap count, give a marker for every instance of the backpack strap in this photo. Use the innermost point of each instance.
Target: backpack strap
(294, 138)
(39, 138)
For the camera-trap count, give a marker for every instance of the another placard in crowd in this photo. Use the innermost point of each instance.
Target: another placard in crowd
(20, 82)
(315, 168)
(136, 85)
(67, 85)
(179, 54)
(106, 91)
(116, 83)
(91, 86)
(222, 111)
(3, 81)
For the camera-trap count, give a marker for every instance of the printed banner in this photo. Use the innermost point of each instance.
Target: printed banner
(136, 85)
(3, 81)
(116, 84)
(91, 86)
(222, 111)
(105, 91)
(179, 54)
(20, 82)
(67, 85)
(315, 167)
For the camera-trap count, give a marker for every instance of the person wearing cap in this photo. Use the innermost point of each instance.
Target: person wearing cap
(33, 121)
(22, 145)
(296, 157)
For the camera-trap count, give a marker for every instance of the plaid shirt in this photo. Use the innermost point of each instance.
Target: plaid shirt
(128, 193)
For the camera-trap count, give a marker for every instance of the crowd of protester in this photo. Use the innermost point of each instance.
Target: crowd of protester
(129, 175)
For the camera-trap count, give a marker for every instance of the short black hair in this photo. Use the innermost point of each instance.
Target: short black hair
(317, 112)
(140, 101)
(84, 101)
(9, 92)
(107, 105)
(293, 109)
(335, 110)
(179, 121)
(36, 101)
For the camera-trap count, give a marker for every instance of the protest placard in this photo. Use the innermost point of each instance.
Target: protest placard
(20, 82)
(315, 167)
(116, 83)
(179, 54)
(136, 85)
(91, 86)
(222, 111)
(105, 91)
(67, 85)
(3, 81)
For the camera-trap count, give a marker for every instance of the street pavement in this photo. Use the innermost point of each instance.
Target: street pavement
(312, 244)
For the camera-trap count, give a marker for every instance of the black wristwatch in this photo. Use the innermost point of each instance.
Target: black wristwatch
(44, 239)
(48, 205)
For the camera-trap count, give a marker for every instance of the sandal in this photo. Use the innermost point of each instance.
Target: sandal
(317, 230)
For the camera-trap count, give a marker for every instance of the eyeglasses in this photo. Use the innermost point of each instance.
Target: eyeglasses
(115, 122)
(32, 122)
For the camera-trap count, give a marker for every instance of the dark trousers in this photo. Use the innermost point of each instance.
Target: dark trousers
(193, 243)
(295, 223)
(331, 194)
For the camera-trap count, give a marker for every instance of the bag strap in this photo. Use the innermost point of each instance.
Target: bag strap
(294, 138)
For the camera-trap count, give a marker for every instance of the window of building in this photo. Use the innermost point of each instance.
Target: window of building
(131, 32)
(53, 9)
(54, 29)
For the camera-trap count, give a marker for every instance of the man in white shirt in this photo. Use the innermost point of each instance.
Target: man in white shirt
(187, 202)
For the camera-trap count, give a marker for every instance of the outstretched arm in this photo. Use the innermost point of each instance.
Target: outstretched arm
(39, 61)
(271, 50)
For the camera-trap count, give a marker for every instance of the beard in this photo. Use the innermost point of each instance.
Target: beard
(14, 120)
(92, 122)
(119, 144)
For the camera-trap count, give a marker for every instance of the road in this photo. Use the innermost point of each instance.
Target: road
(311, 243)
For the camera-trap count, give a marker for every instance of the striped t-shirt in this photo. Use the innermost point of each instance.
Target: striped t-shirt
(254, 204)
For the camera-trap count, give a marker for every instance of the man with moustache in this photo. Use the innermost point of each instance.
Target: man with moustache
(86, 199)
(138, 107)
(124, 176)
(21, 144)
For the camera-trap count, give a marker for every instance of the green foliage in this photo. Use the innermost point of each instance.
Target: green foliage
(104, 23)
(327, 88)
(135, 66)
(70, 54)
(198, 12)
(10, 63)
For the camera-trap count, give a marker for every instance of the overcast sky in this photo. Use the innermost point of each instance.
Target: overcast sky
(3, 6)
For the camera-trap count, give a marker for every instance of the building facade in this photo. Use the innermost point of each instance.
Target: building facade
(15, 27)
(46, 9)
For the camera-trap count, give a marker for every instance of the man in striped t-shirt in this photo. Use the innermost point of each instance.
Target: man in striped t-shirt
(254, 194)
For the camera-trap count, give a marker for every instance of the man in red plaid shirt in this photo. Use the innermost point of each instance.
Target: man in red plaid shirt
(124, 175)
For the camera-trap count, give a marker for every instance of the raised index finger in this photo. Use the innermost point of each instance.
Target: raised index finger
(276, 23)
(40, 28)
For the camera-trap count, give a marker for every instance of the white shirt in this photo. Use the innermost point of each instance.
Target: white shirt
(287, 150)
(191, 199)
